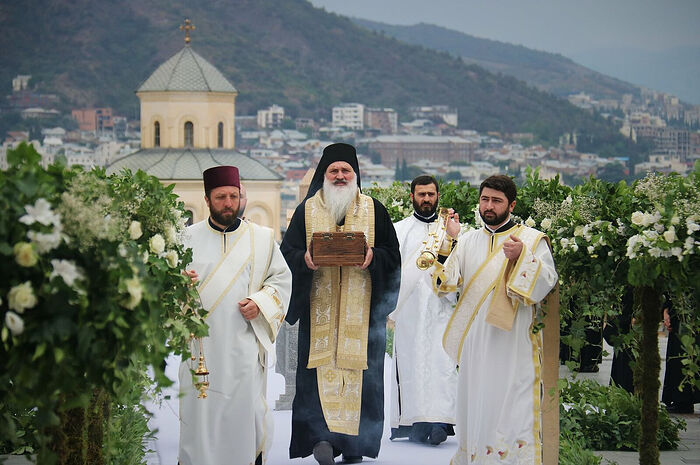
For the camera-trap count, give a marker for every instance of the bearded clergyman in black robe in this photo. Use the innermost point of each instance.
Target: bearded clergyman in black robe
(341, 310)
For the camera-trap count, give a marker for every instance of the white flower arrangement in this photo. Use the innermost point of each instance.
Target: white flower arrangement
(79, 292)
(135, 230)
(156, 244)
(21, 297)
(25, 255)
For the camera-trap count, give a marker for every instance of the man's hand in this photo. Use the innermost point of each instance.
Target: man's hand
(309, 262)
(194, 277)
(248, 308)
(512, 248)
(452, 227)
(368, 257)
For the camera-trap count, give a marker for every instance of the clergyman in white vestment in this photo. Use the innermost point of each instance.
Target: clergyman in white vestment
(503, 271)
(244, 283)
(424, 378)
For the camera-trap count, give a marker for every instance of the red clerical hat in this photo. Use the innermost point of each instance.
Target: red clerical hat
(221, 176)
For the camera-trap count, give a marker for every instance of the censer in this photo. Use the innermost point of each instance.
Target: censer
(431, 245)
(202, 372)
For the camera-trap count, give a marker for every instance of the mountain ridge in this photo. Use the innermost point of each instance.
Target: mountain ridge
(550, 72)
(289, 53)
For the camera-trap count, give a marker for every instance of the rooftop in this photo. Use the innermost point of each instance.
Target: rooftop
(186, 71)
(188, 164)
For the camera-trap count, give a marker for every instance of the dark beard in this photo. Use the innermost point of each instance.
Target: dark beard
(424, 210)
(224, 218)
(495, 221)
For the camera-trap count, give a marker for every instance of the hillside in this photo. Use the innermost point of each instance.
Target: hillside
(289, 53)
(547, 71)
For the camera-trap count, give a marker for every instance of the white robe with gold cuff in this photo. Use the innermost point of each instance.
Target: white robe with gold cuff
(500, 378)
(424, 378)
(233, 424)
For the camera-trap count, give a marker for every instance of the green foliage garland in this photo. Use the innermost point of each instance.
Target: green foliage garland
(93, 292)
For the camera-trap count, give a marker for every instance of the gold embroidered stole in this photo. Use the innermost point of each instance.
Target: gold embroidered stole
(501, 312)
(340, 310)
(492, 274)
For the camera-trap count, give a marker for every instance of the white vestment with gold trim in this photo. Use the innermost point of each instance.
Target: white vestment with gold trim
(426, 388)
(500, 381)
(233, 424)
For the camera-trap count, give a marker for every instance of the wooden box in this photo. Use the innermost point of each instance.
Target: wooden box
(338, 248)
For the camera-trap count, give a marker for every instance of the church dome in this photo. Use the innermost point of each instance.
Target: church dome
(186, 71)
(189, 164)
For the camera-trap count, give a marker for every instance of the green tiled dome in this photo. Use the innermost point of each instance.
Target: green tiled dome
(186, 71)
(181, 164)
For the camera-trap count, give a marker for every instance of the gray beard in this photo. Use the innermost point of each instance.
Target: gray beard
(338, 198)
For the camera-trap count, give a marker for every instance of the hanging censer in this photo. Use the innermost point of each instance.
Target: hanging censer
(202, 383)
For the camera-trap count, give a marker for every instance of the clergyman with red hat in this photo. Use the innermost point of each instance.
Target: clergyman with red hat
(338, 406)
(244, 284)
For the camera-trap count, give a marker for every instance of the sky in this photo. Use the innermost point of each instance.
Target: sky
(564, 26)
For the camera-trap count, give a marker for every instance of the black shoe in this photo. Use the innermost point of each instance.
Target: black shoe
(323, 453)
(419, 433)
(352, 458)
(437, 435)
(677, 407)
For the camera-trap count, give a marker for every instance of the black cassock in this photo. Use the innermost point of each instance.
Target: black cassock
(308, 424)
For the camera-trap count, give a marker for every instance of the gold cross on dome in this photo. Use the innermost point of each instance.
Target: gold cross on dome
(187, 27)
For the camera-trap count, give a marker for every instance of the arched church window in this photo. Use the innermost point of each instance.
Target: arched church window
(220, 135)
(156, 134)
(189, 134)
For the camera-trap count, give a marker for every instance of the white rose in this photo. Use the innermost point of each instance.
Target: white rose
(574, 247)
(133, 287)
(21, 297)
(675, 219)
(172, 258)
(170, 234)
(135, 230)
(590, 249)
(157, 244)
(25, 254)
(530, 222)
(546, 224)
(638, 218)
(14, 323)
(564, 242)
(670, 235)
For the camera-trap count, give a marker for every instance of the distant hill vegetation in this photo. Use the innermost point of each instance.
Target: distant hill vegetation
(547, 71)
(284, 52)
